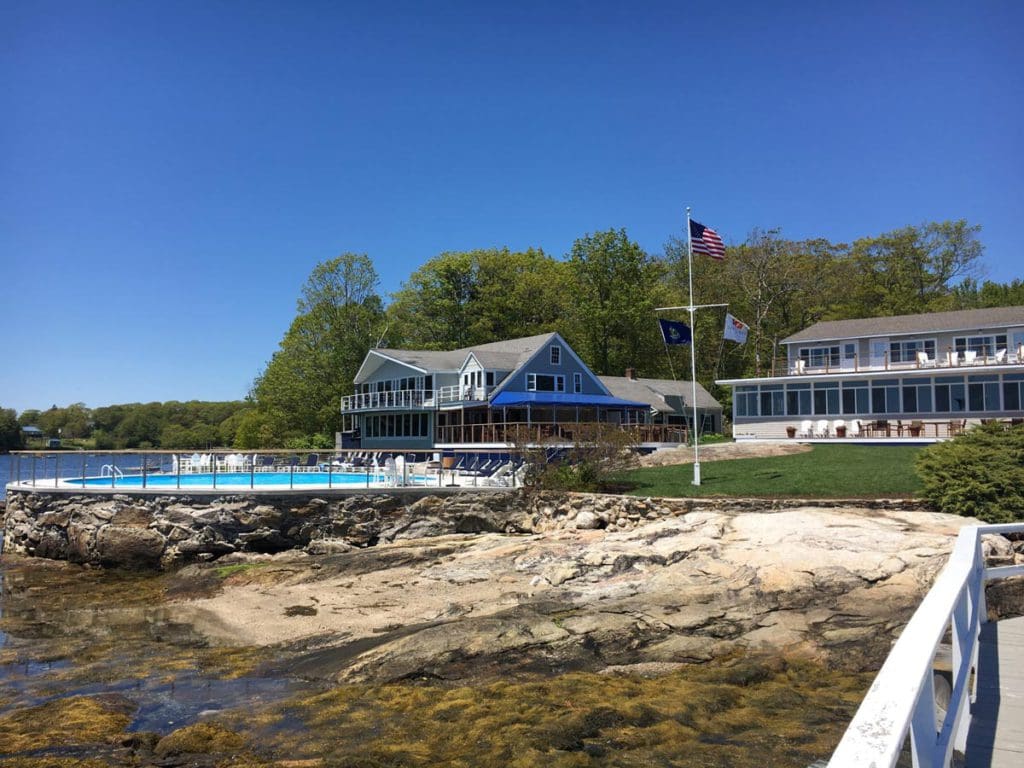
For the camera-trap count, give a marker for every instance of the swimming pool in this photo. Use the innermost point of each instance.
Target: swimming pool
(246, 480)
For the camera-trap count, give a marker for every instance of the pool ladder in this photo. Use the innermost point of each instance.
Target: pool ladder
(109, 470)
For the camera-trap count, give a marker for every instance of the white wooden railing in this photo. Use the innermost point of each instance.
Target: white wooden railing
(399, 400)
(455, 394)
(902, 697)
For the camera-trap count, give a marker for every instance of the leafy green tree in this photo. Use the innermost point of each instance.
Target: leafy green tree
(614, 289)
(340, 317)
(969, 295)
(29, 418)
(261, 429)
(460, 299)
(913, 269)
(141, 425)
(10, 430)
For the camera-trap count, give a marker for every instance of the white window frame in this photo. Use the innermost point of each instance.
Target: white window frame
(531, 382)
(555, 354)
(961, 343)
(908, 349)
(577, 382)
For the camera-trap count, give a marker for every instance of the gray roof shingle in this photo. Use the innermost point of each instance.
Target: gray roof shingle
(498, 355)
(902, 325)
(663, 395)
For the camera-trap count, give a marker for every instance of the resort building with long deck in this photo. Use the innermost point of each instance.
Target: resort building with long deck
(922, 377)
(534, 389)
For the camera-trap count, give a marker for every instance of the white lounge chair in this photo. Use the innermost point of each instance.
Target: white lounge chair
(799, 366)
(1000, 356)
(390, 477)
(502, 476)
(853, 430)
(806, 429)
(923, 361)
(821, 428)
(970, 356)
(399, 470)
(952, 358)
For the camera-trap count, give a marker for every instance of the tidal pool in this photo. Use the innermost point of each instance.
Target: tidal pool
(102, 668)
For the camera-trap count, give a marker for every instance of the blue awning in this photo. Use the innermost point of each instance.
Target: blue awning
(565, 399)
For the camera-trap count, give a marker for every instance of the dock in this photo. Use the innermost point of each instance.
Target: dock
(996, 735)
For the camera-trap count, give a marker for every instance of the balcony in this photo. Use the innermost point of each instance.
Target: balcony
(457, 395)
(414, 399)
(401, 400)
(947, 360)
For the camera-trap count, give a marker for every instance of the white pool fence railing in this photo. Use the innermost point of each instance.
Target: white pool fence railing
(135, 470)
(901, 699)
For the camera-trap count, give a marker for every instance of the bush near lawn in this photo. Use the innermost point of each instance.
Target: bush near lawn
(978, 474)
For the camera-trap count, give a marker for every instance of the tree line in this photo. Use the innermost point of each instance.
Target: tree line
(601, 297)
(193, 424)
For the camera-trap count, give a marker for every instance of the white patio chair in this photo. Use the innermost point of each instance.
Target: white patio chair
(952, 358)
(821, 428)
(923, 361)
(1000, 356)
(390, 478)
(806, 428)
(799, 366)
(502, 476)
(970, 356)
(836, 424)
(399, 470)
(853, 430)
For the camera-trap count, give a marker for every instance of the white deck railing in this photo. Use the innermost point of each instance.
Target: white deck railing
(902, 696)
(405, 399)
(457, 394)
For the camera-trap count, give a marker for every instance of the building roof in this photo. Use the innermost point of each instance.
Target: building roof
(29, 430)
(663, 395)
(427, 359)
(902, 325)
(498, 355)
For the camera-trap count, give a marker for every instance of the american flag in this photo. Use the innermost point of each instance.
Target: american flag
(705, 240)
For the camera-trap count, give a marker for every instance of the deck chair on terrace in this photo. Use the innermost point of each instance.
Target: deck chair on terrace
(806, 428)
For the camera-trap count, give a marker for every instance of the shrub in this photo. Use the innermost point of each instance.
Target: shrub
(979, 474)
(597, 452)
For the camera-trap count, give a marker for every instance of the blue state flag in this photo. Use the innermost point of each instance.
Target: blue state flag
(675, 332)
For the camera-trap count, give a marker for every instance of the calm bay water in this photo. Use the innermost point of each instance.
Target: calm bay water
(66, 464)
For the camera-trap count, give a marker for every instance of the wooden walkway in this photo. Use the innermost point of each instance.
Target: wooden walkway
(996, 737)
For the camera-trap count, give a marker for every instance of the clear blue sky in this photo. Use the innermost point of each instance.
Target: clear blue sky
(170, 172)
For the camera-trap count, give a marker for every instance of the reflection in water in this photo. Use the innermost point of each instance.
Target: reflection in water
(67, 631)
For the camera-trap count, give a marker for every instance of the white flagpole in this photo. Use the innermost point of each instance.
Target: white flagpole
(693, 353)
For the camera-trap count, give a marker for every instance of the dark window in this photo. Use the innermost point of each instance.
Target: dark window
(1011, 395)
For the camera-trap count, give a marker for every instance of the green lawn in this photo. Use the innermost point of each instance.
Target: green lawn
(826, 471)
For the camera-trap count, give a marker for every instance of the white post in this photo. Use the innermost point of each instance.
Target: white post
(693, 353)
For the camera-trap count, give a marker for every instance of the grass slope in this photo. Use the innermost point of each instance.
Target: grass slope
(827, 471)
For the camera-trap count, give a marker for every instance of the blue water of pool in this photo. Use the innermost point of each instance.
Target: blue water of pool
(239, 480)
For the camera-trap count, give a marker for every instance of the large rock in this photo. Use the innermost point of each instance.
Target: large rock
(835, 583)
(129, 546)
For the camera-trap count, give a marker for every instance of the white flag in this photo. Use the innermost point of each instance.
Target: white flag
(735, 330)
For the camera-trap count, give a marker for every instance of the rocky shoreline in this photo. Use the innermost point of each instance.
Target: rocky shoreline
(833, 585)
(376, 588)
(146, 531)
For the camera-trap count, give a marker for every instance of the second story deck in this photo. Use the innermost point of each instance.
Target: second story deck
(415, 399)
(836, 364)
